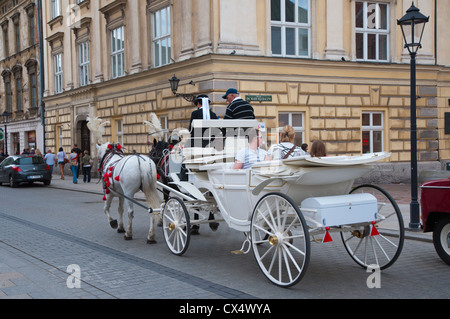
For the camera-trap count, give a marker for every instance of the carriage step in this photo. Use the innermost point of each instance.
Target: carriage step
(238, 252)
(242, 251)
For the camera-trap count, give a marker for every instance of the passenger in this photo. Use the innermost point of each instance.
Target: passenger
(318, 149)
(251, 154)
(305, 147)
(286, 147)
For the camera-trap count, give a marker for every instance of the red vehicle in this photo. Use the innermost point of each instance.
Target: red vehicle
(435, 203)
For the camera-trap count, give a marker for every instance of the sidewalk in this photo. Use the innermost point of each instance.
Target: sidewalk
(400, 192)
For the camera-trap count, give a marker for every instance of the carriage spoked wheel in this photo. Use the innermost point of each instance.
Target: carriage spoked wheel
(383, 249)
(280, 239)
(176, 225)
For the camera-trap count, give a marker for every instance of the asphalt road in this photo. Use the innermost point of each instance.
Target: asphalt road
(48, 234)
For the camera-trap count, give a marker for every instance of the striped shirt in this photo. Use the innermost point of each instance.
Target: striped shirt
(239, 109)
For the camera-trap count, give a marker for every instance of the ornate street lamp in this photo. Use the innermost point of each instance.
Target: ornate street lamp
(413, 24)
(5, 119)
(174, 81)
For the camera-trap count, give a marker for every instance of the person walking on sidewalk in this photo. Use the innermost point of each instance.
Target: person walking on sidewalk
(50, 159)
(86, 163)
(73, 159)
(80, 155)
(62, 158)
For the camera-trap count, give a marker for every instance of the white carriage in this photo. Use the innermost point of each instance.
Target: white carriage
(281, 206)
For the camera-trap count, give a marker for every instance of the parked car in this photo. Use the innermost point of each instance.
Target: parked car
(18, 169)
(435, 203)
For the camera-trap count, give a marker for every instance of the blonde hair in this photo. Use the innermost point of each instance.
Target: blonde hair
(287, 134)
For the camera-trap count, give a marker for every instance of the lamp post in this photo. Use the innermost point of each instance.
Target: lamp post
(174, 81)
(5, 116)
(412, 25)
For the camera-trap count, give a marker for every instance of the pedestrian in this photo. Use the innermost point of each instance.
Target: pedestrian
(318, 149)
(50, 159)
(62, 159)
(86, 163)
(73, 159)
(25, 152)
(80, 154)
(286, 147)
(237, 107)
(38, 152)
(32, 152)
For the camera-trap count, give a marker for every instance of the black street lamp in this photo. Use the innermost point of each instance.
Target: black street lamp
(5, 119)
(413, 24)
(174, 81)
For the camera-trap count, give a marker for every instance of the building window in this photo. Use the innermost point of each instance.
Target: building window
(118, 131)
(58, 72)
(33, 93)
(296, 120)
(56, 8)
(83, 51)
(117, 52)
(17, 34)
(161, 37)
(19, 93)
(5, 40)
(372, 132)
(32, 30)
(290, 28)
(8, 93)
(372, 31)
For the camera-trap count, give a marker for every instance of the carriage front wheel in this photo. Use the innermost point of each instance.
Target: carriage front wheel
(280, 239)
(381, 250)
(176, 225)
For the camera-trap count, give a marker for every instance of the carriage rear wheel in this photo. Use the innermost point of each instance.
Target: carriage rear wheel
(176, 225)
(280, 239)
(381, 250)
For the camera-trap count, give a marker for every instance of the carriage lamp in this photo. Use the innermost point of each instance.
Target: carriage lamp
(412, 25)
(174, 81)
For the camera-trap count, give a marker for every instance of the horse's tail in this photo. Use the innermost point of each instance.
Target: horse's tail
(149, 178)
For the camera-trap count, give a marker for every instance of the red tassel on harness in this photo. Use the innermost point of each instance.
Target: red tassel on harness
(157, 176)
(104, 197)
(119, 146)
(107, 191)
(111, 168)
(110, 146)
(117, 178)
(327, 238)
(374, 231)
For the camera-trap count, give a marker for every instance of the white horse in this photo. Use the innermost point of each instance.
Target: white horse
(123, 176)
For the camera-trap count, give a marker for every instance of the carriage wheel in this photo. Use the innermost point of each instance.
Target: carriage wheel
(383, 249)
(176, 226)
(280, 239)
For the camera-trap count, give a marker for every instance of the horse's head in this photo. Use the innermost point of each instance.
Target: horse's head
(101, 150)
(107, 148)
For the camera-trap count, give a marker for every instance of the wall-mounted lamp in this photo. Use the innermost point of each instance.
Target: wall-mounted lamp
(174, 81)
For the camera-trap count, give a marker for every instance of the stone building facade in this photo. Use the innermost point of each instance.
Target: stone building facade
(19, 81)
(336, 70)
